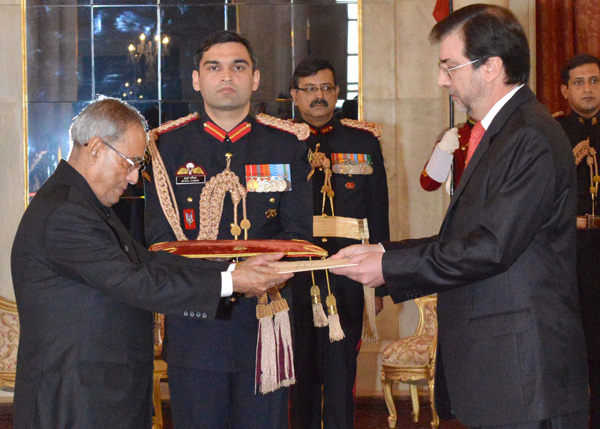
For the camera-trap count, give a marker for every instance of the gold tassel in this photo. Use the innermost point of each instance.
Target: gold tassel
(369, 328)
(266, 349)
(319, 318)
(335, 327)
(283, 339)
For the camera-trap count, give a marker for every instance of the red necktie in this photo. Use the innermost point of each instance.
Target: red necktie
(476, 135)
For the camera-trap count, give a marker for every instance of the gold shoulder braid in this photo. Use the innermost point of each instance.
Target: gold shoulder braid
(584, 150)
(164, 189)
(371, 127)
(301, 131)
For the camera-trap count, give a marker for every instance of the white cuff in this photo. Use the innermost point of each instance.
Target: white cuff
(227, 282)
(438, 166)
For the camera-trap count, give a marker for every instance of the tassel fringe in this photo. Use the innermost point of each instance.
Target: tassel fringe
(369, 328)
(266, 350)
(283, 338)
(319, 318)
(335, 328)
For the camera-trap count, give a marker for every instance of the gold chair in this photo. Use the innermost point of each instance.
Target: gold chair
(9, 342)
(411, 359)
(160, 370)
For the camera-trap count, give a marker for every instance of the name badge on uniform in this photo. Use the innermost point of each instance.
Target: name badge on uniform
(268, 178)
(190, 174)
(351, 163)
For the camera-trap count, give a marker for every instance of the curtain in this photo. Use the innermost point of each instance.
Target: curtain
(564, 28)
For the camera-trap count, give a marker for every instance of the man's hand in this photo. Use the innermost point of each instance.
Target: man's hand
(368, 270)
(357, 249)
(252, 277)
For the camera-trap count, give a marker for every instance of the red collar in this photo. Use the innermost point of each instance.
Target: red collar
(234, 135)
(316, 131)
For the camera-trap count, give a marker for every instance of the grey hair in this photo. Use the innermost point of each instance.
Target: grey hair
(107, 118)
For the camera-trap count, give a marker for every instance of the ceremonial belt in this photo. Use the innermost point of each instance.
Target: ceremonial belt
(588, 222)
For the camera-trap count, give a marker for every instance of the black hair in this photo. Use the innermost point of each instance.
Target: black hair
(575, 62)
(489, 31)
(309, 67)
(224, 36)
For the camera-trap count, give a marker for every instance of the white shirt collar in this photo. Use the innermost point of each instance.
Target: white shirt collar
(487, 120)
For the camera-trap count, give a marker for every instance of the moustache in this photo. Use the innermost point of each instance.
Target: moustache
(319, 101)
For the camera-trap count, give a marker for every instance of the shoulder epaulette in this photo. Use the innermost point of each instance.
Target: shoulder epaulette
(371, 127)
(176, 123)
(301, 131)
(558, 114)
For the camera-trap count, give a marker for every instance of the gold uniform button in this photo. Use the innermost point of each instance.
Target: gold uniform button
(190, 199)
(324, 240)
(272, 200)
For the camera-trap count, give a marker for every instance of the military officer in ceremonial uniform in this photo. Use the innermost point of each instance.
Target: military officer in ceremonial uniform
(449, 152)
(581, 88)
(325, 370)
(212, 364)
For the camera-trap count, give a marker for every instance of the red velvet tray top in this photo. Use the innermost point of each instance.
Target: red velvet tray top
(239, 248)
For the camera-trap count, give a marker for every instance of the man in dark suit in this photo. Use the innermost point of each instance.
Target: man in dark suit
(326, 370)
(511, 347)
(212, 378)
(581, 88)
(86, 291)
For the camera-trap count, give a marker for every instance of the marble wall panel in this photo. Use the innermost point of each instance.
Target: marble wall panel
(379, 51)
(416, 57)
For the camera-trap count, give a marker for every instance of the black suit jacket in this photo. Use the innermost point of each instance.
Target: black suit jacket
(85, 292)
(503, 264)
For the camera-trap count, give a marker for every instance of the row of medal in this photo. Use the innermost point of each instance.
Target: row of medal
(351, 163)
(268, 178)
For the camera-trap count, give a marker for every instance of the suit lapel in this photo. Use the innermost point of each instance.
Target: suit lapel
(521, 96)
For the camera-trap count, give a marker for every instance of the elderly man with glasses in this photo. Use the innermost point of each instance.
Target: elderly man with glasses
(86, 290)
(326, 371)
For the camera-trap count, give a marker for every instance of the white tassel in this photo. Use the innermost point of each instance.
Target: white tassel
(266, 349)
(319, 318)
(285, 353)
(335, 328)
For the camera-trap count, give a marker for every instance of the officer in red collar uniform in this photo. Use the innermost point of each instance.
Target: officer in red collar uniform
(325, 370)
(212, 364)
(581, 88)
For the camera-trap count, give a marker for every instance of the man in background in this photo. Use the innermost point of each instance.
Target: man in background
(511, 348)
(86, 290)
(326, 370)
(581, 88)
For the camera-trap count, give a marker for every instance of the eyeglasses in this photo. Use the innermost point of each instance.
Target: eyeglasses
(133, 165)
(448, 70)
(311, 89)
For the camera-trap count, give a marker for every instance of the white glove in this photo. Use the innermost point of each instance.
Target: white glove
(449, 142)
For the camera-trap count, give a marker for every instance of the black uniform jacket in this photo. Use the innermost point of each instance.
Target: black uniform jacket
(503, 265)
(85, 292)
(228, 343)
(357, 196)
(579, 129)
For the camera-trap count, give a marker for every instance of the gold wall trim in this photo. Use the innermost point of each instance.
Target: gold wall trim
(24, 110)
